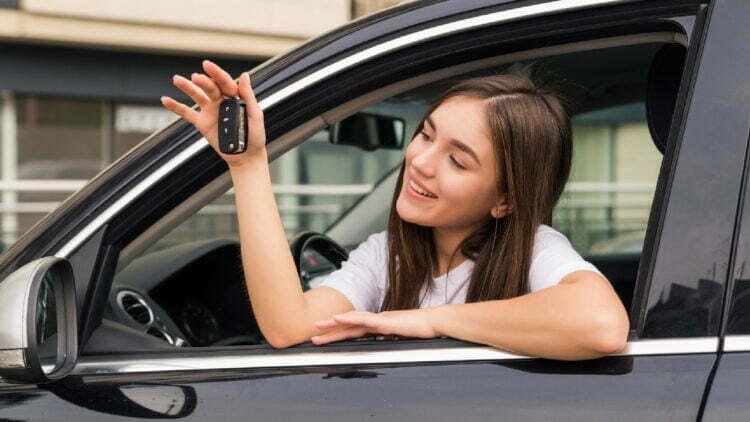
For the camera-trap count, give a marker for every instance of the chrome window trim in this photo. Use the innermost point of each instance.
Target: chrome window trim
(737, 343)
(107, 365)
(434, 32)
(413, 38)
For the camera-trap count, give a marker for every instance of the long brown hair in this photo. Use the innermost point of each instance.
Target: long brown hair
(531, 136)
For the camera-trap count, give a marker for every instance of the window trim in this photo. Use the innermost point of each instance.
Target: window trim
(291, 358)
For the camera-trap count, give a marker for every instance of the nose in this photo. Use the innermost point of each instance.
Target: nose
(423, 161)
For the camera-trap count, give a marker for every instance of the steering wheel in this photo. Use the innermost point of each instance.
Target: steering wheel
(316, 245)
(309, 246)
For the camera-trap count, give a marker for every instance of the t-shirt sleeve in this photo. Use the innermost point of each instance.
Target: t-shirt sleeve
(553, 258)
(362, 277)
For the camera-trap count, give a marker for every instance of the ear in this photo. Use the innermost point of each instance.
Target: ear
(501, 210)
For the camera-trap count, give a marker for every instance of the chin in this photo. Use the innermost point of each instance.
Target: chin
(410, 214)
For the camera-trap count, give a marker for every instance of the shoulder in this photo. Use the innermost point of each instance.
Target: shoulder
(373, 250)
(553, 257)
(374, 242)
(546, 237)
(545, 232)
(362, 277)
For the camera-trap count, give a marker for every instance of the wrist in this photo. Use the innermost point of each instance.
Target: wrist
(437, 316)
(249, 160)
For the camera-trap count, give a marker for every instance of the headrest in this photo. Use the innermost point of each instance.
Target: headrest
(661, 91)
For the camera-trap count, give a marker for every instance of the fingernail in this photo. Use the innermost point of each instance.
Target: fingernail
(314, 338)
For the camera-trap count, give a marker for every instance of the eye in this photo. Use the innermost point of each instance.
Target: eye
(457, 164)
(424, 135)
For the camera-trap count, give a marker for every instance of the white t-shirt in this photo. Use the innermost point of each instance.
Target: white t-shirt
(364, 276)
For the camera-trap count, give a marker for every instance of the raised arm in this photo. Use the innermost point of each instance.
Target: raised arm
(283, 312)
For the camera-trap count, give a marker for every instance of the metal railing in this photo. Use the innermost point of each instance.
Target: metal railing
(587, 212)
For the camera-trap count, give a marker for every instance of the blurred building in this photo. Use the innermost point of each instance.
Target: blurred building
(80, 80)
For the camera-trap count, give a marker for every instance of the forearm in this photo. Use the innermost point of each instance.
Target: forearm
(270, 274)
(568, 321)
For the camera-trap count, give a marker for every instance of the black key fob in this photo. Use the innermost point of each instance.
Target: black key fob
(232, 126)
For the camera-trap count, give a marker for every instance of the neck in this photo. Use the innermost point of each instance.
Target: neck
(447, 241)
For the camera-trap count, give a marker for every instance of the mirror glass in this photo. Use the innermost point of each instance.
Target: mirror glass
(46, 325)
(369, 131)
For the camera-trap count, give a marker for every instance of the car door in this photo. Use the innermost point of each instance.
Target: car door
(662, 374)
(727, 399)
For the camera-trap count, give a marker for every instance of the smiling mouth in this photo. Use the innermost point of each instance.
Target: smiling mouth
(420, 191)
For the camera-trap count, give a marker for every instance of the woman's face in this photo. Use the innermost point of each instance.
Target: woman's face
(450, 179)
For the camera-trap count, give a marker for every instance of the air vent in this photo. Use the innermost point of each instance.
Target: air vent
(134, 305)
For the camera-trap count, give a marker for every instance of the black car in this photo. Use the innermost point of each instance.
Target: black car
(108, 311)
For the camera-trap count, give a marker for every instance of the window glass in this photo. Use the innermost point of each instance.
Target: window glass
(605, 206)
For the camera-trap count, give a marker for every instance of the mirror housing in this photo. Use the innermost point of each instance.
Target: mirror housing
(369, 131)
(38, 332)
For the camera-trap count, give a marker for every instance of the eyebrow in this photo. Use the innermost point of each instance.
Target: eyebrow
(455, 142)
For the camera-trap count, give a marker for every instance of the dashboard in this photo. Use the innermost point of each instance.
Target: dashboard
(191, 294)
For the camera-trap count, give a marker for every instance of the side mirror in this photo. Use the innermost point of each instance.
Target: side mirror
(369, 131)
(38, 333)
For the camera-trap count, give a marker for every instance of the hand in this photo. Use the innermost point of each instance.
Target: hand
(208, 90)
(409, 323)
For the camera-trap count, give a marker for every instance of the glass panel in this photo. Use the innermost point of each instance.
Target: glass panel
(605, 206)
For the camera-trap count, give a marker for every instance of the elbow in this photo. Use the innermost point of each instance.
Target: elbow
(278, 342)
(282, 340)
(276, 338)
(610, 334)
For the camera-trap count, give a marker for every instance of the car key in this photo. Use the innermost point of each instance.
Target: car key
(233, 131)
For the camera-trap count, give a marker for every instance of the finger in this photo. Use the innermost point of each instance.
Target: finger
(192, 90)
(368, 320)
(184, 111)
(327, 323)
(255, 113)
(208, 85)
(225, 82)
(353, 332)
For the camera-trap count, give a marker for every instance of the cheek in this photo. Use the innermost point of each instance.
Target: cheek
(469, 196)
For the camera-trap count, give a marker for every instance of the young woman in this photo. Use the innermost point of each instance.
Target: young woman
(468, 252)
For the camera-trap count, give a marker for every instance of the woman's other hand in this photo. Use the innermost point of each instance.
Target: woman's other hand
(409, 323)
(208, 91)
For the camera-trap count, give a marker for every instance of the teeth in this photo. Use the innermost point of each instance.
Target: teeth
(420, 190)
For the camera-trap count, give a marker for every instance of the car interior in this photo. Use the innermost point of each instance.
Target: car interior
(193, 294)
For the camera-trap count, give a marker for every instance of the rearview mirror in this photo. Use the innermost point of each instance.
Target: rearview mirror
(369, 131)
(38, 333)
